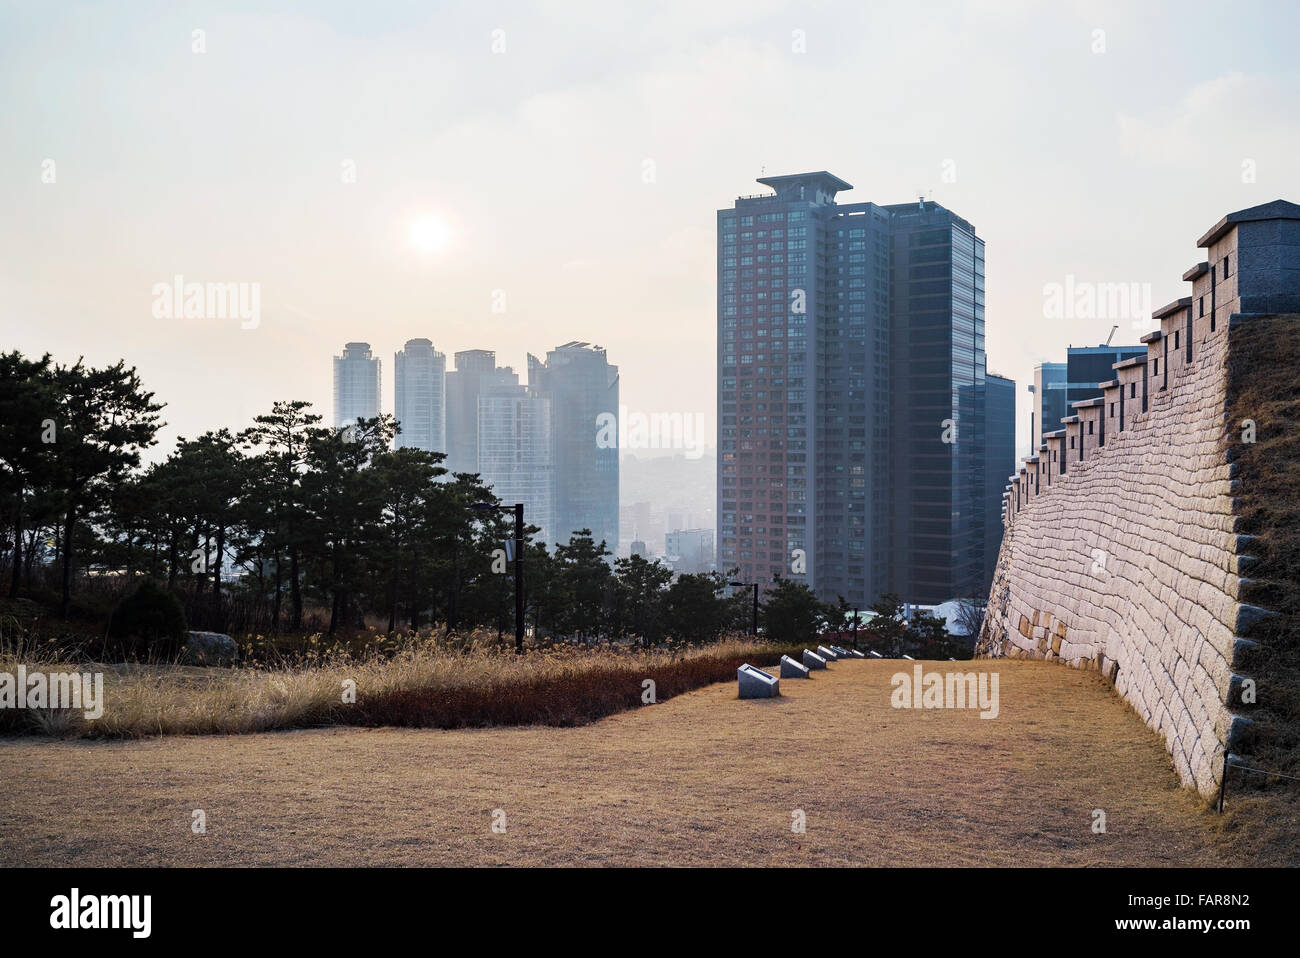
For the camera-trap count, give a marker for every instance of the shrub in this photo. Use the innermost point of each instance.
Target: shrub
(149, 623)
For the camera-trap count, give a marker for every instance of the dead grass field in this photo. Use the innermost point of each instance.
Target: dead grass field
(700, 779)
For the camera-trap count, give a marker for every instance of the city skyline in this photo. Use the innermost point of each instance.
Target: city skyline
(551, 443)
(503, 180)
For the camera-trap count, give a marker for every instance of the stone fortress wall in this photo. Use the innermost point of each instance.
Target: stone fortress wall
(1121, 551)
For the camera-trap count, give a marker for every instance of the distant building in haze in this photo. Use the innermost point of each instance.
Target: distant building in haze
(419, 396)
(689, 550)
(514, 450)
(475, 369)
(1048, 405)
(583, 391)
(356, 385)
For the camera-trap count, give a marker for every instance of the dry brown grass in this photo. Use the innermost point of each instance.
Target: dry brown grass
(423, 685)
(1264, 386)
(702, 779)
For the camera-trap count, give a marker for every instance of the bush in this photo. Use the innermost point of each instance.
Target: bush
(149, 623)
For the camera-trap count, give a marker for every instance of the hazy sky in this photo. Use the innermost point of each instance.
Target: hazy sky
(228, 166)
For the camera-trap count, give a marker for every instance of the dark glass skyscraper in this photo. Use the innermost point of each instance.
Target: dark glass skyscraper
(851, 397)
(999, 463)
(938, 415)
(1057, 386)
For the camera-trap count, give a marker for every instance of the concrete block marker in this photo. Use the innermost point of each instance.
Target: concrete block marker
(826, 653)
(757, 684)
(813, 660)
(790, 669)
(875, 655)
(909, 658)
(856, 654)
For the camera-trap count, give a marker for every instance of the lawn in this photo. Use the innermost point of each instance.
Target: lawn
(700, 779)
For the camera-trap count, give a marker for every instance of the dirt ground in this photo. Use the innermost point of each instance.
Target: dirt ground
(701, 779)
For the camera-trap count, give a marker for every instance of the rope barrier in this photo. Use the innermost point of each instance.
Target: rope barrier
(1229, 764)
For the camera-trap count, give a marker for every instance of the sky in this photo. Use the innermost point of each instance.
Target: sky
(513, 176)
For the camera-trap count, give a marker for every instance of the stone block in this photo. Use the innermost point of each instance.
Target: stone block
(813, 660)
(790, 669)
(756, 684)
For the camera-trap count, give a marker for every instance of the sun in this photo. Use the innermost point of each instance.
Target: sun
(429, 234)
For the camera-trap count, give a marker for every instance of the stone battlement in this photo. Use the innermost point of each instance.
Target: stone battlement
(1121, 549)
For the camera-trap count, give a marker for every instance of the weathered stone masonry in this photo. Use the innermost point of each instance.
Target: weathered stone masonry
(1121, 550)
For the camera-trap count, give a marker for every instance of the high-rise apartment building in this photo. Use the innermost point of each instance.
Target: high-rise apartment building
(419, 396)
(583, 391)
(356, 385)
(851, 394)
(514, 450)
(802, 303)
(496, 427)
(476, 369)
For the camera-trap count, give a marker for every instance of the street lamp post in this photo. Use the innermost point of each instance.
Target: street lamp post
(742, 585)
(518, 510)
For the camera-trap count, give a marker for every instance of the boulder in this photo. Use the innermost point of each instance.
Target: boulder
(209, 648)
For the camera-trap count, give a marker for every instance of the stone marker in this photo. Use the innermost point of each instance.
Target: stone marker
(909, 658)
(856, 654)
(826, 653)
(875, 655)
(756, 684)
(790, 669)
(209, 648)
(813, 660)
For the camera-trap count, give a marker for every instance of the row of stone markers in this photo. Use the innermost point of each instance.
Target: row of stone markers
(756, 684)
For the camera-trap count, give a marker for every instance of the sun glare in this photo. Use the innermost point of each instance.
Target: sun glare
(429, 234)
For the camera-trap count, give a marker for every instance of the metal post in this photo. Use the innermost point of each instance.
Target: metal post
(855, 628)
(755, 610)
(1223, 782)
(519, 577)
